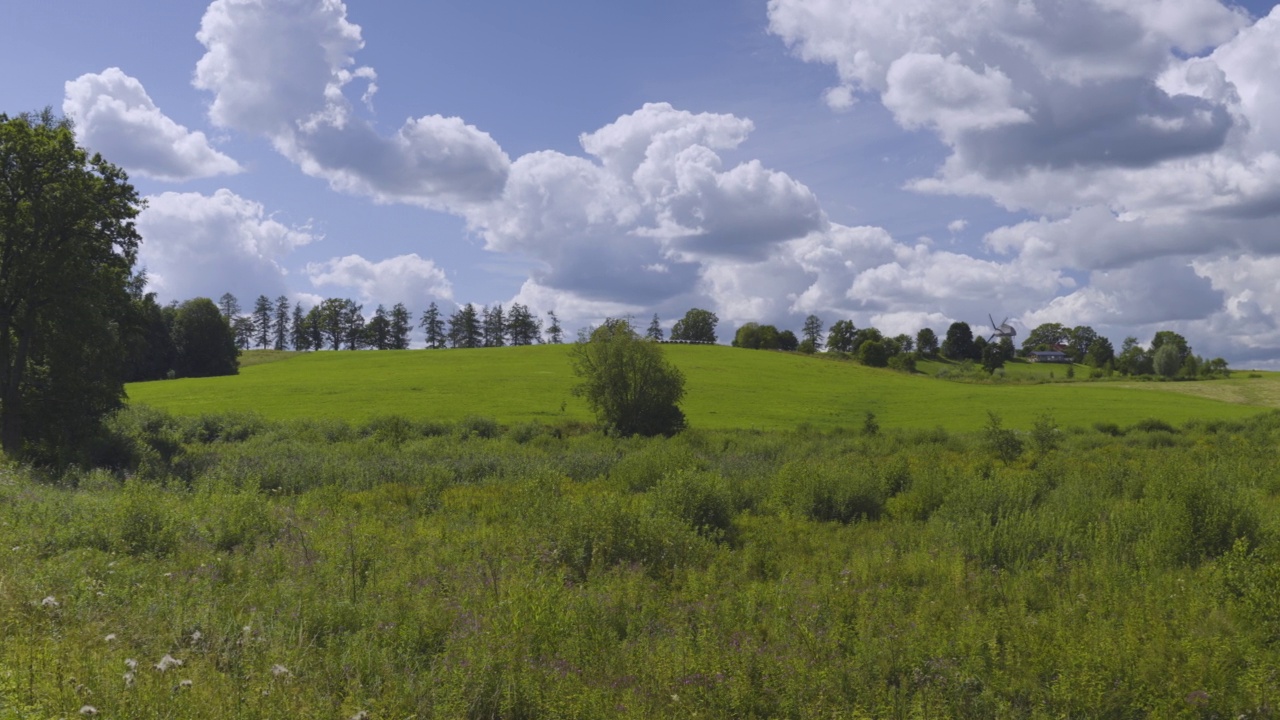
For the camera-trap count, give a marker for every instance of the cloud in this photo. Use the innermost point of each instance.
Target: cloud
(115, 116)
(1025, 88)
(282, 69)
(635, 222)
(198, 245)
(407, 279)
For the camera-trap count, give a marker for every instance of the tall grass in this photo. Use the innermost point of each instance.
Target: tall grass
(401, 568)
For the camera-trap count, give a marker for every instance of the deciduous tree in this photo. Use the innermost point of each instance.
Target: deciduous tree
(67, 248)
(627, 382)
(697, 325)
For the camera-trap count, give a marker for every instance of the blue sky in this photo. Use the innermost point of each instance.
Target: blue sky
(901, 163)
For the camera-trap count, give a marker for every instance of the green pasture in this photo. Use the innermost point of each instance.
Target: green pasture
(727, 388)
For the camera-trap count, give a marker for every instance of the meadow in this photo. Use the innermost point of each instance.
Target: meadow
(444, 535)
(228, 566)
(728, 388)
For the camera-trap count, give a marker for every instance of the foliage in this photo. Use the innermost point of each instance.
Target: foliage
(314, 569)
(627, 383)
(1003, 443)
(927, 342)
(1167, 361)
(754, 336)
(840, 336)
(958, 344)
(873, 353)
(67, 249)
(812, 331)
(697, 325)
(203, 341)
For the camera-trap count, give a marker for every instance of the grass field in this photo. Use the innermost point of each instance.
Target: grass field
(728, 388)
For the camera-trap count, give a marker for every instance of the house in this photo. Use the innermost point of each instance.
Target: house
(1048, 356)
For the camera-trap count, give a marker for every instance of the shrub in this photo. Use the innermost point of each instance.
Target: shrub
(627, 382)
(1002, 442)
(701, 499)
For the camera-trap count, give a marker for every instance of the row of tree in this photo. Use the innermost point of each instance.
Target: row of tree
(1168, 354)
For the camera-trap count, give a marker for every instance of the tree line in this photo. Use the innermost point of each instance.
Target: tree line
(1168, 355)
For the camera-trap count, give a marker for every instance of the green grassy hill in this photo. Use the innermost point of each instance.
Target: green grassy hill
(727, 388)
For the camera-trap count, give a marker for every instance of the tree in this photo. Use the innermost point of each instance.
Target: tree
(280, 323)
(493, 326)
(697, 325)
(261, 318)
(242, 331)
(755, 336)
(1045, 337)
(67, 249)
(655, 329)
(992, 357)
(812, 331)
(865, 335)
(301, 332)
(840, 336)
(927, 342)
(523, 328)
(555, 334)
(230, 307)
(1100, 353)
(1007, 351)
(204, 341)
(1133, 359)
(147, 340)
(377, 332)
(1166, 361)
(353, 325)
(1173, 339)
(401, 323)
(959, 342)
(873, 353)
(905, 343)
(627, 382)
(464, 327)
(433, 326)
(787, 341)
(1081, 339)
(332, 314)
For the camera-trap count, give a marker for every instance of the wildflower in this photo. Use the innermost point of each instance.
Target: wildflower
(128, 679)
(50, 602)
(196, 635)
(88, 710)
(167, 662)
(279, 670)
(184, 685)
(131, 663)
(362, 715)
(110, 638)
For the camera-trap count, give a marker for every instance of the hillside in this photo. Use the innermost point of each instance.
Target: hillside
(727, 388)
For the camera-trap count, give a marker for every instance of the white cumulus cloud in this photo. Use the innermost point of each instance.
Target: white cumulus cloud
(114, 116)
(407, 279)
(206, 245)
(282, 69)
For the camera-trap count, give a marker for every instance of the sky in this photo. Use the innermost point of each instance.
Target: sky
(898, 163)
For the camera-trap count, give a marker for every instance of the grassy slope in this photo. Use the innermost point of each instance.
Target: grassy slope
(727, 388)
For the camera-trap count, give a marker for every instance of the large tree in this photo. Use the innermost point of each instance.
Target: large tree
(205, 343)
(401, 324)
(697, 325)
(840, 336)
(959, 342)
(812, 332)
(280, 324)
(67, 249)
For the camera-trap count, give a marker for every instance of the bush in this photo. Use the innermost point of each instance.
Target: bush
(1002, 442)
(627, 383)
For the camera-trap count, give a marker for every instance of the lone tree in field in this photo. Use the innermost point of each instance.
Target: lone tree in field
(627, 382)
(67, 248)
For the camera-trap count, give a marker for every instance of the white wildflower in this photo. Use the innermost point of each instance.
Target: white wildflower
(362, 715)
(131, 663)
(128, 679)
(50, 602)
(88, 710)
(184, 685)
(111, 637)
(196, 635)
(168, 661)
(279, 670)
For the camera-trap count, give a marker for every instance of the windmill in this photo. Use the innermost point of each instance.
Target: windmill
(1003, 330)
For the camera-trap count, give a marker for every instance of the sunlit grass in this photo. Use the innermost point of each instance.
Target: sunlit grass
(727, 388)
